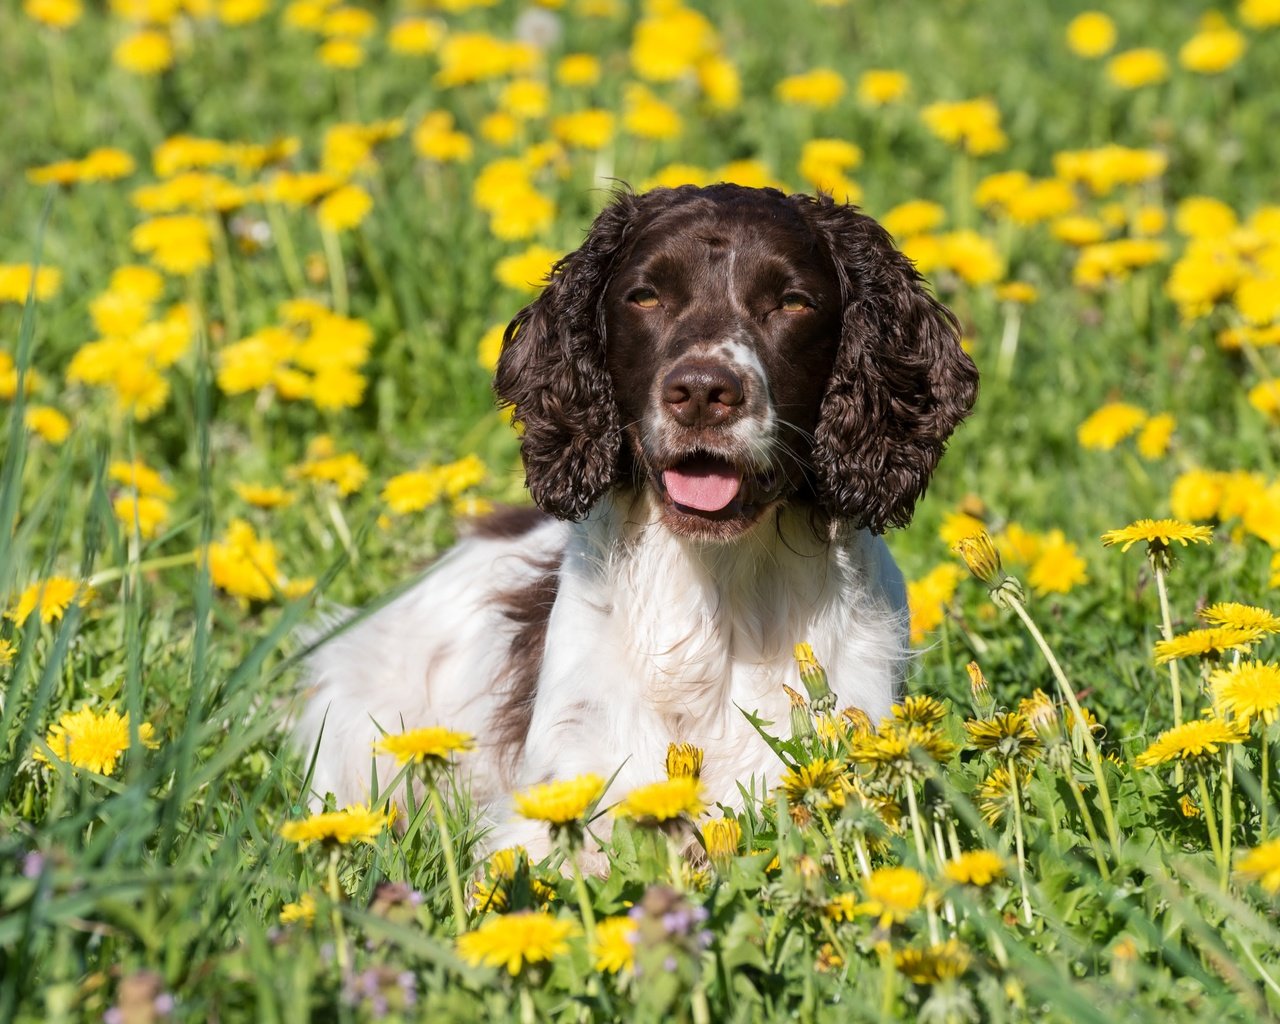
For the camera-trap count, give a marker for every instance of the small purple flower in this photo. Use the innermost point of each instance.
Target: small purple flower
(33, 864)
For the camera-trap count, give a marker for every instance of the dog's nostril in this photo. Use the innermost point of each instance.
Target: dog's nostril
(701, 393)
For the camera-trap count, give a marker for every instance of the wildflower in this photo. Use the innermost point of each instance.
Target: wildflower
(819, 784)
(344, 470)
(341, 53)
(7, 653)
(47, 422)
(1110, 425)
(662, 802)
(1212, 50)
(303, 911)
(814, 677)
(576, 70)
(512, 941)
(1198, 738)
(562, 802)
(684, 760)
(1153, 440)
(1008, 734)
(721, 838)
(913, 218)
(1091, 35)
(1262, 865)
(971, 124)
(1205, 643)
(979, 691)
(511, 881)
(893, 894)
(1080, 231)
(50, 598)
(670, 42)
(996, 792)
(431, 744)
(585, 129)
(924, 711)
(614, 947)
(981, 558)
(878, 87)
(975, 867)
(1057, 567)
(1248, 690)
(144, 513)
(264, 496)
(1020, 293)
(356, 823)
(86, 739)
(527, 271)
(55, 14)
(720, 82)
(1241, 616)
(146, 52)
(1260, 13)
(1135, 68)
(244, 565)
(19, 280)
(818, 88)
(900, 753)
(344, 209)
(929, 596)
(939, 962)
(180, 244)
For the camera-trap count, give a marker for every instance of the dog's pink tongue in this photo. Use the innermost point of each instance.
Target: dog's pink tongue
(707, 486)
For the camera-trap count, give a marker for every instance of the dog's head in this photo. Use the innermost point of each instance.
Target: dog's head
(733, 348)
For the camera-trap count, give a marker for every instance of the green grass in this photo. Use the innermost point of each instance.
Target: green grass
(167, 877)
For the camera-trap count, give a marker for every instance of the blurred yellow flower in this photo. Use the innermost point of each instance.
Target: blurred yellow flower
(929, 596)
(264, 496)
(50, 599)
(1058, 567)
(57, 14)
(614, 949)
(1134, 69)
(489, 347)
(432, 744)
(669, 41)
(1212, 50)
(343, 54)
(1156, 433)
(975, 867)
(584, 129)
(1091, 34)
(18, 280)
(146, 513)
(304, 911)
(527, 271)
(47, 422)
(560, 802)
(147, 52)
(893, 894)
(243, 564)
(513, 940)
(973, 125)
(1110, 425)
(1260, 13)
(660, 802)
(878, 87)
(477, 56)
(241, 12)
(356, 823)
(1204, 217)
(179, 244)
(415, 37)
(819, 88)
(720, 82)
(646, 116)
(1105, 167)
(913, 218)
(578, 69)
(344, 209)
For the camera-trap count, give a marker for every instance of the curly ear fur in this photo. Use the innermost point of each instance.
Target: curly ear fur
(901, 382)
(552, 370)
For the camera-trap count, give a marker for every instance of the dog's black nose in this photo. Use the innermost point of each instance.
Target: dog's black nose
(701, 394)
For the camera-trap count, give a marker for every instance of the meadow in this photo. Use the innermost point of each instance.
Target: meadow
(255, 259)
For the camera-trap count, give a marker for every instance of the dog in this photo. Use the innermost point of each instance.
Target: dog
(727, 395)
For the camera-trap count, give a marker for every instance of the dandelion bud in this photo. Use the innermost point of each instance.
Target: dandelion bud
(814, 677)
(684, 760)
(721, 838)
(981, 558)
(860, 723)
(980, 692)
(801, 717)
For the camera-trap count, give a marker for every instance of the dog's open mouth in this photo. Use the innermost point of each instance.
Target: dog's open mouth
(716, 492)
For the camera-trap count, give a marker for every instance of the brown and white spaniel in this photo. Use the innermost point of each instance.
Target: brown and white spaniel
(727, 395)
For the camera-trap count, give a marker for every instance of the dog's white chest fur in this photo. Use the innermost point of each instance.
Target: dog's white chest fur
(651, 639)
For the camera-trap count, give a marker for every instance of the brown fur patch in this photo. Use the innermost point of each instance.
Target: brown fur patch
(528, 608)
(506, 522)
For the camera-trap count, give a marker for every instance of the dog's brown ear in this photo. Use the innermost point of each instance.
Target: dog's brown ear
(552, 370)
(901, 382)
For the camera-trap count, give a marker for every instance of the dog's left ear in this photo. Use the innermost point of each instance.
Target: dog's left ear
(552, 370)
(901, 382)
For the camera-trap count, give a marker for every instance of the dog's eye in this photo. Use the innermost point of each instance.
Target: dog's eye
(645, 298)
(794, 303)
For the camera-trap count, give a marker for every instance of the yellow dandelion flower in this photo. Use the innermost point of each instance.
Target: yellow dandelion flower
(353, 824)
(433, 743)
(578, 69)
(416, 37)
(995, 793)
(243, 564)
(7, 653)
(527, 271)
(1262, 865)
(140, 478)
(894, 894)
(913, 218)
(1021, 293)
(818, 784)
(1153, 439)
(1247, 691)
(55, 14)
(561, 802)
(929, 596)
(180, 244)
(1205, 643)
(304, 911)
(820, 88)
(1241, 616)
(942, 961)
(1006, 734)
(1199, 738)
(1158, 532)
(1260, 13)
(614, 948)
(973, 125)
(975, 867)
(1091, 35)
(660, 802)
(514, 940)
(344, 209)
(147, 52)
(50, 598)
(584, 129)
(721, 838)
(683, 759)
(47, 422)
(19, 280)
(264, 496)
(1212, 50)
(93, 741)
(341, 53)
(145, 513)
(1058, 567)
(879, 87)
(1110, 425)
(919, 710)
(1136, 68)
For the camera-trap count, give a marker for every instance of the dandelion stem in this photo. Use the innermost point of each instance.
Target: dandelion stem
(1228, 780)
(337, 270)
(1264, 757)
(584, 898)
(836, 851)
(335, 896)
(864, 861)
(225, 277)
(450, 861)
(1095, 759)
(1094, 841)
(1166, 629)
(1009, 340)
(117, 572)
(284, 246)
(1017, 833)
(916, 829)
(1210, 819)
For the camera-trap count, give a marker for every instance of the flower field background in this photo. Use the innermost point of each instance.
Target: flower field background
(255, 262)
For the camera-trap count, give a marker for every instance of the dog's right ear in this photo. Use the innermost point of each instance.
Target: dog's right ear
(552, 370)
